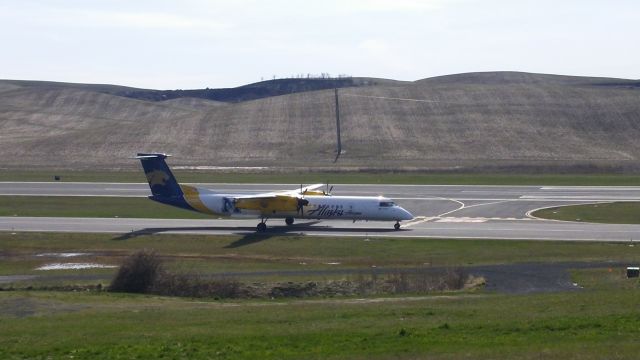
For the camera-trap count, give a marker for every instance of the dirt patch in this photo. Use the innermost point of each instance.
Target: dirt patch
(534, 277)
(19, 307)
(372, 284)
(509, 278)
(22, 307)
(8, 279)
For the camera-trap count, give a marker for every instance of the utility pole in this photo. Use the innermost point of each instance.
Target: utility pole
(339, 144)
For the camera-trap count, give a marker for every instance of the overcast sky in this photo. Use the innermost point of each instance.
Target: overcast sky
(199, 43)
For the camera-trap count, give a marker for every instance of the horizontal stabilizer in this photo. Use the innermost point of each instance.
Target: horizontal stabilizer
(143, 156)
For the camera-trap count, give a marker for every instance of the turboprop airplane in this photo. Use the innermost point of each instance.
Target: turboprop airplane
(304, 203)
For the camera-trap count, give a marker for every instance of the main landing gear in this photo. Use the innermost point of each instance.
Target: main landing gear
(397, 225)
(262, 226)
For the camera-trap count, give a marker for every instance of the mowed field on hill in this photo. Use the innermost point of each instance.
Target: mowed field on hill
(475, 122)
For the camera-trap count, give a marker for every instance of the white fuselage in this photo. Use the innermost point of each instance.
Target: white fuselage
(319, 207)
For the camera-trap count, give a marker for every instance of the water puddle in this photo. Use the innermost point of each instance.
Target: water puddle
(6, 279)
(74, 266)
(63, 255)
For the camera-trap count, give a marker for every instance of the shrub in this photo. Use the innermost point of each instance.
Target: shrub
(191, 285)
(138, 273)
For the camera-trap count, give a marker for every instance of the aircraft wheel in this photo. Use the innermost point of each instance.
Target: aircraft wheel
(288, 221)
(397, 226)
(262, 227)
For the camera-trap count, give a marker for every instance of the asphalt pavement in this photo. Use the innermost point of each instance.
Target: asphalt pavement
(447, 211)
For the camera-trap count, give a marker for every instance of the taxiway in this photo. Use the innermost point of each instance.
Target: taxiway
(497, 212)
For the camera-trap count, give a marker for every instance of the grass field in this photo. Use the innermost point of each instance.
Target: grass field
(592, 324)
(304, 177)
(235, 253)
(609, 213)
(600, 321)
(87, 206)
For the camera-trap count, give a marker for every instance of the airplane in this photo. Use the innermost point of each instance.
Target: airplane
(304, 203)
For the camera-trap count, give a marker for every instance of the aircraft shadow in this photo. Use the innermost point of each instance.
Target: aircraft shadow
(252, 236)
(159, 230)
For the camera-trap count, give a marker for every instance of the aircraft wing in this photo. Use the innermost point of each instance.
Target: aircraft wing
(300, 191)
(287, 200)
(293, 193)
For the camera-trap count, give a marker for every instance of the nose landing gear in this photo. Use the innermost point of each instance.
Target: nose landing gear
(397, 225)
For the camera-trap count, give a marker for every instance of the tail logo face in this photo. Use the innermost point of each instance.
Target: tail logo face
(157, 177)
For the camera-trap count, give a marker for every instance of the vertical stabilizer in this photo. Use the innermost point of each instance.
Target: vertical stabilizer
(159, 176)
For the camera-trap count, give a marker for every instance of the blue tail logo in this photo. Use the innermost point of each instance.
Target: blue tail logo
(157, 177)
(161, 181)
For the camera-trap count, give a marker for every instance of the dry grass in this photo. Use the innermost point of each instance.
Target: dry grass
(483, 120)
(143, 272)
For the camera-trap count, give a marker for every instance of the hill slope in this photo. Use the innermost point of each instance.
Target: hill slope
(465, 121)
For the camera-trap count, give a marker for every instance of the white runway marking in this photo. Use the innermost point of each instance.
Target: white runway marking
(461, 220)
(449, 212)
(468, 219)
(489, 203)
(76, 195)
(578, 197)
(121, 189)
(464, 206)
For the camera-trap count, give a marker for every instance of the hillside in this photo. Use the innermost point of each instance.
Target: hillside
(481, 121)
(254, 91)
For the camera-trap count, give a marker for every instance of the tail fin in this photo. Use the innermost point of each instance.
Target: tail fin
(161, 180)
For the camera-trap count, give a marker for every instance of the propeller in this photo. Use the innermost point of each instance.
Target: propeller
(302, 202)
(327, 192)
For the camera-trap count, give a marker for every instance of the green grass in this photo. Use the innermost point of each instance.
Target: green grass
(609, 213)
(235, 253)
(295, 176)
(604, 279)
(599, 322)
(574, 325)
(87, 206)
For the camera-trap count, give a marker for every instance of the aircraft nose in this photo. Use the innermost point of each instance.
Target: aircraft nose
(405, 215)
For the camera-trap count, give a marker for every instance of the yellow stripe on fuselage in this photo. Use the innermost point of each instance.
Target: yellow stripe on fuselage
(192, 197)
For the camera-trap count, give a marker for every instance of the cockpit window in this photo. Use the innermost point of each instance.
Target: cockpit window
(387, 204)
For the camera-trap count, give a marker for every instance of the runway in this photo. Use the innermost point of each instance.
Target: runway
(497, 212)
